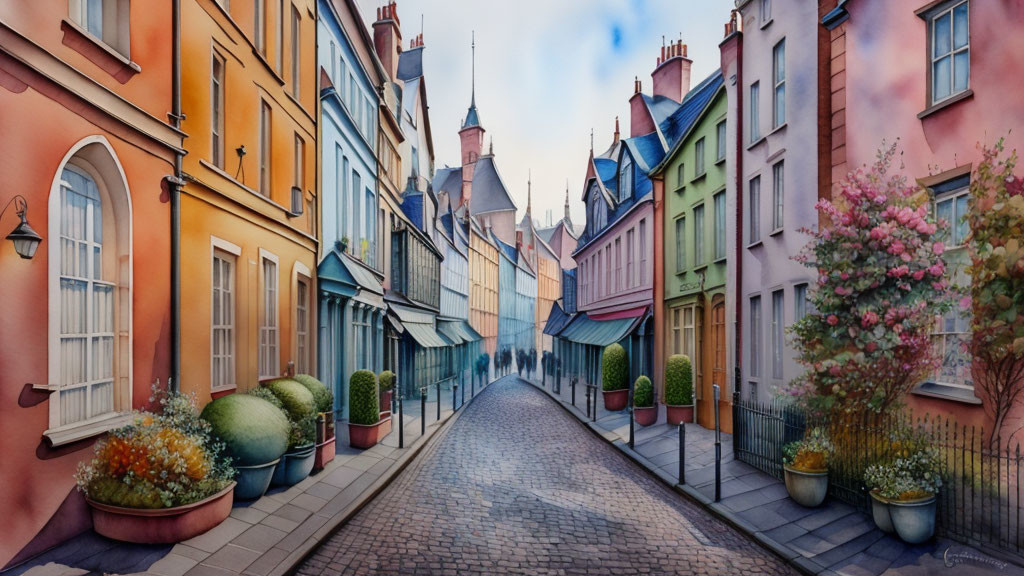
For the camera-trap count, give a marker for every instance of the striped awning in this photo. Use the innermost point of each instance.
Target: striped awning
(585, 330)
(419, 324)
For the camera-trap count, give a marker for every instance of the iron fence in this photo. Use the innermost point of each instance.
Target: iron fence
(980, 501)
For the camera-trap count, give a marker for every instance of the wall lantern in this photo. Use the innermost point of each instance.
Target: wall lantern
(24, 237)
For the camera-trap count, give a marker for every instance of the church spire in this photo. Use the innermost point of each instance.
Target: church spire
(568, 222)
(472, 117)
(529, 190)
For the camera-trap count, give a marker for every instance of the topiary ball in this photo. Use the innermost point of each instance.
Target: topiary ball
(254, 430)
(679, 381)
(323, 398)
(387, 380)
(614, 368)
(643, 393)
(298, 402)
(364, 397)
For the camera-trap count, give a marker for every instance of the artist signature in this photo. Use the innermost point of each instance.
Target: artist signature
(951, 559)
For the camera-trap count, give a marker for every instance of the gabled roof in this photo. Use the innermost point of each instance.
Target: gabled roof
(449, 181)
(410, 64)
(646, 151)
(557, 319)
(696, 100)
(507, 250)
(543, 245)
(489, 191)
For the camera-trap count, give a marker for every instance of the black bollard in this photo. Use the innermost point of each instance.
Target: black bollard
(682, 453)
(588, 400)
(401, 421)
(718, 449)
(439, 400)
(573, 386)
(455, 393)
(423, 410)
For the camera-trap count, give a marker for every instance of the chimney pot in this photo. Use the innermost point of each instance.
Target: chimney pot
(684, 50)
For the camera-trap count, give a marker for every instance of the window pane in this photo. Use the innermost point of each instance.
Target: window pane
(755, 118)
(960, 26)
(754, 210)
(780, 105)
(961, 70)
(680, 244)
(962, 227)
(698, 235)
(942, 36)
(941, 79)
(721, 140)
(944, 213)
(780, 62)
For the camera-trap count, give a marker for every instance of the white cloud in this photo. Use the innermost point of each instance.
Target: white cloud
(547, 71)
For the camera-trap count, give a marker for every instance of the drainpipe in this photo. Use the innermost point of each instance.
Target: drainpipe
(176, 117)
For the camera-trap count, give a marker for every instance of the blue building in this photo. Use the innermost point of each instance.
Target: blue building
(507, 326)
(352, 310)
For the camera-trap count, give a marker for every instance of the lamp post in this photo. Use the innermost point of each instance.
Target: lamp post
(25, 239)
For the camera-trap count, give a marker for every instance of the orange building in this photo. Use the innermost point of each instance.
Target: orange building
(248, 234)
(86, 324)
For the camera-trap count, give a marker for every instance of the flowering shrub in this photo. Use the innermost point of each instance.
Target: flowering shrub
(162, 460)
(879, 288)
(996, 247)
(810, 454)
(910, 471)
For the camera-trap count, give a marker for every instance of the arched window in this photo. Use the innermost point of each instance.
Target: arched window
(625, 178)
(89, 290)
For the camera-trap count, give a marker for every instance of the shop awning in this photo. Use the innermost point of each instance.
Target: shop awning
(557, 320)
(447, 328)
(466, 331)
(585, 330)
(418, 324)
(340, 274)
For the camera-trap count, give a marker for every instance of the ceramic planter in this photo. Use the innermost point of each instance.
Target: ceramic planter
(806, 488)
(161, 525)
(325, 452)
(880, 513)
(677, 415)
(253, 481)
(294, 466)
(616, 400)
(914, 520)
(366, 436)
(645, 416)
(385, 400)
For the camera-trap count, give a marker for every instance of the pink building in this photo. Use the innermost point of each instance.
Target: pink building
(954, 85)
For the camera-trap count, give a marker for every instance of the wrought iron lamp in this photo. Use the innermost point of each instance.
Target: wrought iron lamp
(25, 239)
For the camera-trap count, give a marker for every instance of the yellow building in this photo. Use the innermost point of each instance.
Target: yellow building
(549, 289)
(483, 287)
(248, 233)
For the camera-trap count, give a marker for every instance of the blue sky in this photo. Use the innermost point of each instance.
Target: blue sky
(547, 72)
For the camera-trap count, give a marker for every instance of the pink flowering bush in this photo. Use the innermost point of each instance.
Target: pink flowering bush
(880, 285)
(996, 247)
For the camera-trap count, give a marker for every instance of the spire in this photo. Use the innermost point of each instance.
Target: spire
(591, 140)
(472, 117)
(529, 190)
(616, 141)
(492, 146)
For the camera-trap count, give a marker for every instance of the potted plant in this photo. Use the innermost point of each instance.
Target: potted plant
(365, 425)
(615, 377)
(162, 479)
(806, 468)
(255, 433)
(300, 407)
(323, 399)
(678, 389)
(906, 487)
(644, 409)
(386, 381)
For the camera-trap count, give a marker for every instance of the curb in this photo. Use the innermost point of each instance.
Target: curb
(287, 566)
(787, 554)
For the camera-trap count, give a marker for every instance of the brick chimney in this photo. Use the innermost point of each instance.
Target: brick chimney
(640, 121)
(616, 137)
(672, 74)
(387, 37)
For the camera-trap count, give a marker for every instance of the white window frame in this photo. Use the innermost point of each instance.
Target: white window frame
(296, 21)
(961, 320)
(779, 84)
(259, 26)
(698, 235)
(113, 27)
(756, 336)
(303, 309)
(680, 229)
(625, 177)
(642, 241)
(754, 210)
(721, 141)
(266, 141)
(227, 251)
(778, 332)
(754, 114)
(778, 195)
(933, 59)
(217, 92)
(718, 200)
(269, 334)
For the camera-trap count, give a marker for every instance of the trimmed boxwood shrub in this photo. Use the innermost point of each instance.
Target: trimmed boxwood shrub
(643, 393)
(298, 402)
(387, 380)
(679, 381)
(323, 398)
(365, 398)
(254, 430)
(614, 368)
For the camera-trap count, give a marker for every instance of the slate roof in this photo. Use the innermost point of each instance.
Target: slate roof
(557, 319)
(678, 124)
(509, 251)
(449, 181)
(412, 205)
(489, 191)
(410, 64)
(472, 117)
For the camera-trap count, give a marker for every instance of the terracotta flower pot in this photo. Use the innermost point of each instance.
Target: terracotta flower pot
(366, 436)
(385, 400)
(616, 400)
(880, 513)
(161, 525)
(914, 520)
(325, 452)
(677, 415)
(645, 416)
(806, 488)
(294, 466)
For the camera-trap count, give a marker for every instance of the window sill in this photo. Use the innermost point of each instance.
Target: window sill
(680, 190)
(263, 59)
(224, 391)
(700, 268)
(81, 430)
(98, 52)
(779, 128)
(699, 177)
(243, 186)
(719, 260)
(965, 95)
(753, 245)
(776, 232)
(946, 392)
(767, 23)
(720, 161)
(756, 143)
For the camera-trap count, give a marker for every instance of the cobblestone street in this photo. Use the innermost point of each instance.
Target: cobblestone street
(513, 487)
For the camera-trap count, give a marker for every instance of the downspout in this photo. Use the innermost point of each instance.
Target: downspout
(175, 376)
(739, 213)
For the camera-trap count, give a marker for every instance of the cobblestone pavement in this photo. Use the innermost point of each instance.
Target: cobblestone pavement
(515, 487)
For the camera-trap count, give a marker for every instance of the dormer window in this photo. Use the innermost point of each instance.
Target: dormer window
(625, 178)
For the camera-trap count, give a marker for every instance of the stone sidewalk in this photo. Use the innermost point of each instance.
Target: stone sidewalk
(268, 536)
(832, 539)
